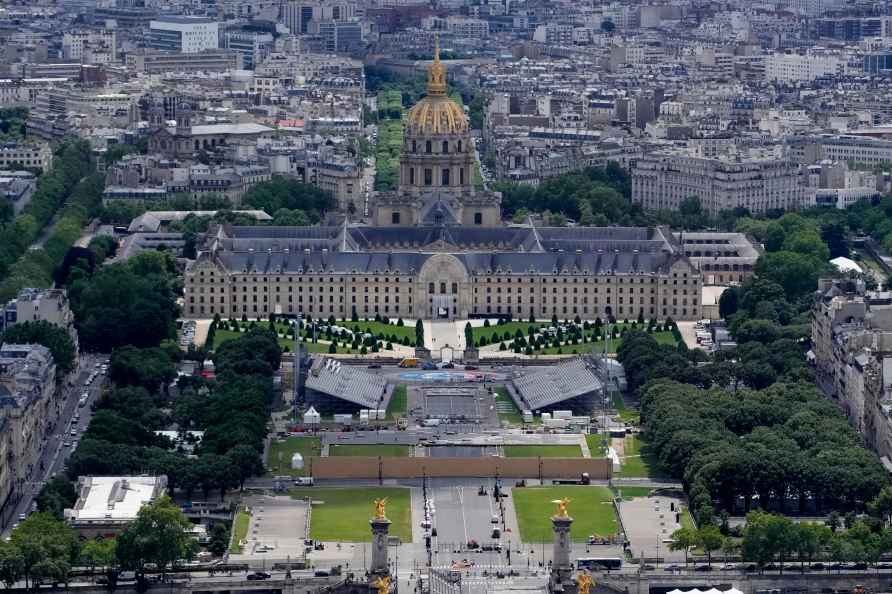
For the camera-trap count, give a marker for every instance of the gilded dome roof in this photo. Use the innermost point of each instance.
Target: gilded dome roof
(436, 113)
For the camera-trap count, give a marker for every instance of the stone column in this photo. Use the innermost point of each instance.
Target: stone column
(380, 528)
(561, 566)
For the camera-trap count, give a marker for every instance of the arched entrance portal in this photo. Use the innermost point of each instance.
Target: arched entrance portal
(444, 282)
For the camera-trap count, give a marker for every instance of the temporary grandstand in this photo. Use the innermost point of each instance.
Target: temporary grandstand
(570, 385)
(332, 387)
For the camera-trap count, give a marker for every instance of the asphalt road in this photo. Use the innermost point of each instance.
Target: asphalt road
(462, 515)
(55, 454)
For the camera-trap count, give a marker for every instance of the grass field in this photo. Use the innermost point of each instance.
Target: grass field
(596, 445)
(632, 492)
(544, 451)
(239, 530)
(626, 415)
(278, 457)
(398, 402)
(591, 508)
(687, 521)
(386, 450)
(343, 514)
(503, 401)
(637, 461)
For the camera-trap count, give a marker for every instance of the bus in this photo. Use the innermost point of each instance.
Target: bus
(599, 563)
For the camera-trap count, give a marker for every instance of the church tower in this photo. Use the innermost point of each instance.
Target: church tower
(437, 163)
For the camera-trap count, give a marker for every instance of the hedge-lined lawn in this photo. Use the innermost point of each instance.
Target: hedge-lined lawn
(495, 333)
(375, 449)
(278, 456)
(343, 515)
(542, 451)
(286, 344)
(406, 331)
(590, 507)
(598, 346)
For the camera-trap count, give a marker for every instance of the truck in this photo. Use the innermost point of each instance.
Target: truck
(584, 479)
(409, 362)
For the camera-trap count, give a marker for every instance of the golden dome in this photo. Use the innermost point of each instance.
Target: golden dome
(436, 113)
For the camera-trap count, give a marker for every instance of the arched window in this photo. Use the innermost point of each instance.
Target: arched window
(444, 177)
(427, 147)
(430, 288)
(455, 288)
(459, 146)
(414, 146)
(445, 147)
(442, 287)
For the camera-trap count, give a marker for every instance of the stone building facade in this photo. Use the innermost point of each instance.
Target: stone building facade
(424, 272)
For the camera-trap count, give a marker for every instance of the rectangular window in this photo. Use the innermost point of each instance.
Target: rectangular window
(428, 177)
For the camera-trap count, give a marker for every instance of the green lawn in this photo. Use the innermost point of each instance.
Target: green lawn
(278, 458)
(386, 450)
(637, 461)
(686, 520)
(398, 402)
(632, 492)
(544, 451)
(590, 507)
(343, 514)
(503, 402)
(239, 530)
(596, 445)
(496, 333)
(626, 415)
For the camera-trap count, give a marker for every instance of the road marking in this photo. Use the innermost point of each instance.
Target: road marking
(461, 504)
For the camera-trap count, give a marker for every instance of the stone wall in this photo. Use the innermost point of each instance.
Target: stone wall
(372, 467)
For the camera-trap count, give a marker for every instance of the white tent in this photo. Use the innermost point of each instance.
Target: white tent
(297, 461)
(710, 591)
(311, 417)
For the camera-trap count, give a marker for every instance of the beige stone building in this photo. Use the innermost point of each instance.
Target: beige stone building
(426, 272)
(27, 405)
(439, 249)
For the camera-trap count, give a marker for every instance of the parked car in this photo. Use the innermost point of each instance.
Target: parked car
(258, 575)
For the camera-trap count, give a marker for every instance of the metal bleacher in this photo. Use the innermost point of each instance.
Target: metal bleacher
(329, 376)
(558, 383)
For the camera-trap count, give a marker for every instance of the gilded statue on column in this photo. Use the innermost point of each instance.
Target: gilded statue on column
(380, 505)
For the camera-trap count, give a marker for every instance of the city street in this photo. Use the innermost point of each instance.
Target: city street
(55, 454)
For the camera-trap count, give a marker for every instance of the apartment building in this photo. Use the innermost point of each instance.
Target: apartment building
(33, 305)
(852, 349)
(28, 406)
(90, 47)
(26, 154)
(758, 182)
(793, 68)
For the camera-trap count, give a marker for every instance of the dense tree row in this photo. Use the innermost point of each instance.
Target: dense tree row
(285, 193)
(785, 446)
(232, 411)
(54, 188)
(53, 337)
(128, 303)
